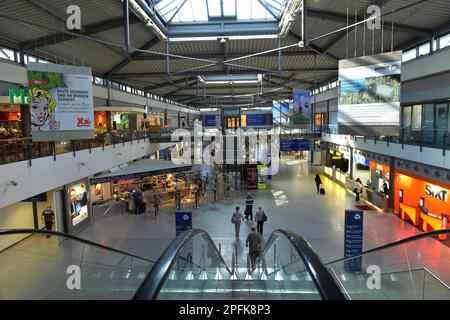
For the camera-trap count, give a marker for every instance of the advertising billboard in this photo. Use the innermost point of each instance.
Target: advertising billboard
(61, 102)
(301, 107)
(77, 204)
(369, 95)
(280, 112)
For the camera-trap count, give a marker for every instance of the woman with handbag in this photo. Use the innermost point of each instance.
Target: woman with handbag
(236, 219)
(260, 218)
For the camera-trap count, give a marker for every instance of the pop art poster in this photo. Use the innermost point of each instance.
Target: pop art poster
(61, 102)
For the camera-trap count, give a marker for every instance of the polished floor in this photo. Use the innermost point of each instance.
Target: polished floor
(291, 203)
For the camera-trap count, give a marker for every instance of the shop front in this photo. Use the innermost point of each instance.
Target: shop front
(11, 99)
(10, 123)
(337, 164)
(421, 201)
(154, 177)
(376, 189)
(120, 119)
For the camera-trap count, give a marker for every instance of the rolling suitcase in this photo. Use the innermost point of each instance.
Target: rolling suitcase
(322, 191)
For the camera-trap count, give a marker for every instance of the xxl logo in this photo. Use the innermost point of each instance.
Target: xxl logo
(82, 122)
(436, 193)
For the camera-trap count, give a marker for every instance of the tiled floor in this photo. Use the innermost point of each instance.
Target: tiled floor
(291, 203)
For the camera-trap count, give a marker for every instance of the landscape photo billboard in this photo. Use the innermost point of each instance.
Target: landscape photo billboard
(369, 95)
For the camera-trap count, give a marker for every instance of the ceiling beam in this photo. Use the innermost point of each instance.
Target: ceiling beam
(164, 85)
(314, 47)
(339, 17)
(343, 18)
(220, 55)
(124, 62)
(46, 9)
(194, 73)
(91, 29)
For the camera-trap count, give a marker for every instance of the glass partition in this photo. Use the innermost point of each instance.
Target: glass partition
(414, 270)
(60, 268)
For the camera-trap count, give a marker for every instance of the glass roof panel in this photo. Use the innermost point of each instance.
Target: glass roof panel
(202, 10)
(214, 8)
(229, 7)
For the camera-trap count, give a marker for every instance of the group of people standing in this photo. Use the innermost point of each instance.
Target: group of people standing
(139, 202)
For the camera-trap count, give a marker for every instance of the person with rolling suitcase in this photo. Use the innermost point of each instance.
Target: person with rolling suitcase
(318, 182)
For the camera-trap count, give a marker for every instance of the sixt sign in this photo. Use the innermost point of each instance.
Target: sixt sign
(436, 192)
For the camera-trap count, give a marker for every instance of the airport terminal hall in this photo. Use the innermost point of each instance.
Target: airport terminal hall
(239, 152)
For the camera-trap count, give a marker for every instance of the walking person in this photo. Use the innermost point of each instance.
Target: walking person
(178, 195)
(215, 192)
(318, 182)
(48, 217)
(197, 196)
(253, 243)
(236, 220)
(155, 204)
(260, 218)
(358, 189)
(249, 207)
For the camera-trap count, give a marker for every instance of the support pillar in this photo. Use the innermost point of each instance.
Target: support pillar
(391, 184)
(25, 118)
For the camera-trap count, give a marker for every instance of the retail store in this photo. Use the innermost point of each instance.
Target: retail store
(338, 157)
(11, 98)
(156, 176)
(122, 119)
(421, 201)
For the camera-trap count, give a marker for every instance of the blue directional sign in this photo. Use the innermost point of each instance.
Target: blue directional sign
(296, 145)
(183, 221)
(353, 239)
(256, 120)
(42, 197)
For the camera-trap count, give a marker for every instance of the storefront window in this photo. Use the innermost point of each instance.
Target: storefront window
(441, 121)
(406, 118)
(428, 123)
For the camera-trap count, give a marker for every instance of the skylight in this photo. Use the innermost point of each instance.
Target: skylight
(178, 11)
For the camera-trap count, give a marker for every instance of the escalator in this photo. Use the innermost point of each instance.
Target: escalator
(192, 268)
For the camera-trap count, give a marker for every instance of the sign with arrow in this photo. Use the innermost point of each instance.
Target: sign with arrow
(353, 239)
(183, 221)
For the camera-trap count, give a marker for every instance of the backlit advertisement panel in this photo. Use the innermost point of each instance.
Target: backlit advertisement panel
(369, 95)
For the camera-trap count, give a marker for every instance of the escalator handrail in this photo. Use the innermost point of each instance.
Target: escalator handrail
(6, 232)
(392, 244)
(323, 280)
(156, 278)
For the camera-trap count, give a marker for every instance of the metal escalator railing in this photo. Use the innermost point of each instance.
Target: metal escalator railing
(188, 247)
(186, 256)
(413, 268)
(55, 265)
(287, 246)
